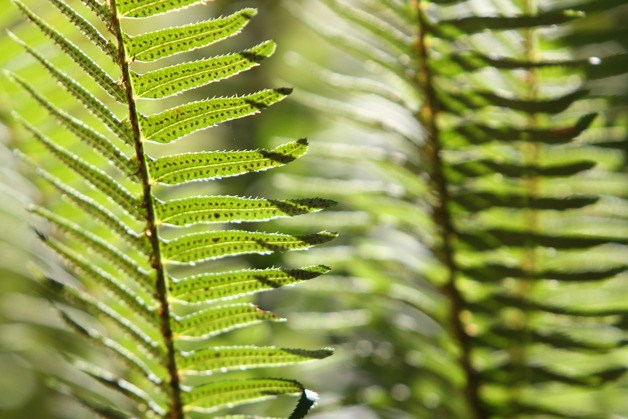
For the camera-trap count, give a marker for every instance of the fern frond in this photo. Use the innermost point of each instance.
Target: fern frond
(487, 213)
(114, 232)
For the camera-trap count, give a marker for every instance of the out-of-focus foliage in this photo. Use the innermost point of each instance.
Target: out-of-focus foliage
(28, 325)
(478, 151)
(19, 337)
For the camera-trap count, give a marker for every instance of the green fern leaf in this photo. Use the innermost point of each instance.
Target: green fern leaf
(181, 77)
(210, 361)
(146, 8)
(91, 103)
(97, 178)
(89, 66)
(127, 357)
(224, 286)
(82, 131)
(222, 209)
(101, 10)
(113, 230)
(86, 27)
(215, 165)
(154, 45)
(198, 247)
(113, 285)
(97, 211)
(122, 262)
(211, 397)
(217, 320)
(100, 310)
(177, 122)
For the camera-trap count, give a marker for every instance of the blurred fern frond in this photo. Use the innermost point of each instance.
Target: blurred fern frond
(482, 159)
(155, 285)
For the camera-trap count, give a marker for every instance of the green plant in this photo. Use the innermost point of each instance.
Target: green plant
(152, 281)
(485, 184)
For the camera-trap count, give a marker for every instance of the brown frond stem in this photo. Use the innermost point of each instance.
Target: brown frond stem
(531, 151)
(151, 230)
(428, 116)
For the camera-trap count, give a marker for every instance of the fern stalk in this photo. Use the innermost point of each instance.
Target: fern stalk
(170, 318)
(151, 231)
(428, 116)
(523, 287)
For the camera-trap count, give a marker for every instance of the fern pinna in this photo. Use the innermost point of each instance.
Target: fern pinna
(149, 267)
(490, 214)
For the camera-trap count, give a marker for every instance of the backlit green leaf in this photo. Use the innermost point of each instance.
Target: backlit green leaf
(123, 386)
(115, 286)
(91, 103)
(182, 120)
(128, 357)
(220, 359)
(223, 286)
(100, 9)
(82, 131)
(217, 320)
(124, 264)
(91, 174)
(486, 167)
(199, 247)
(137, 332)
(477, 201)
(178, 78)
(211, 397)
(90, 67)
(479, 134)
(219, 164)
(473, 24)
(221, 209)
(162, 43)
(87, 28)
(98, 212)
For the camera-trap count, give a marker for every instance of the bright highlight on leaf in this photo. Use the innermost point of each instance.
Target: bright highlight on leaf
(217, 320)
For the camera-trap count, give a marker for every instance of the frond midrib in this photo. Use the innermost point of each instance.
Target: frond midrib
(151, 230)
(428, 116)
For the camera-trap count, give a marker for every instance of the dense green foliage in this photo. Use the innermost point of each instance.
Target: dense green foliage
(477, 150)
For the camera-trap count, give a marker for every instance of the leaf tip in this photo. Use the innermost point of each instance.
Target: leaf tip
(284, 90)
